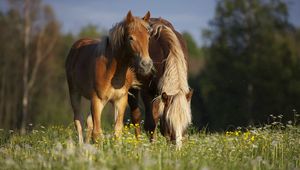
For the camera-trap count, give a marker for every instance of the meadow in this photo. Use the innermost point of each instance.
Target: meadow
(273, 146)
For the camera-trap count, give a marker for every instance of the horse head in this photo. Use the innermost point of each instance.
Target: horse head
(174, 107)
(137, 36)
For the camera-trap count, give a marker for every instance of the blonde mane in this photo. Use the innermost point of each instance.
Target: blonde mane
(174, 82)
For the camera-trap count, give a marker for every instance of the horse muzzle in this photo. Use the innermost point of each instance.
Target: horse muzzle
(145, 66)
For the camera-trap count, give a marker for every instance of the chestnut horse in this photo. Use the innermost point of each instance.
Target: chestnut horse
(166, 94)
(102, 71)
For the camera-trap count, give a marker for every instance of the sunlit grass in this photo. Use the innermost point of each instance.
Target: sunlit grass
(272, 146)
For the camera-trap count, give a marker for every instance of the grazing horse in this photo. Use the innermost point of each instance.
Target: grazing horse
(166, 94)
(103, 71)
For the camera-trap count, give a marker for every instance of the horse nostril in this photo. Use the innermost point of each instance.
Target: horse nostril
(147, 64)
(151, 63)
(144, 63)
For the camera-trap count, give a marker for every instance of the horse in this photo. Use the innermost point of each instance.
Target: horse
(166, 94)
(104, 70)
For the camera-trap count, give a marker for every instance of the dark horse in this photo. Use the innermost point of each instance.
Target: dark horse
(166, 94)
(102, 71)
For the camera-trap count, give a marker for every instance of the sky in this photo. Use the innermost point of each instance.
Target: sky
(186, 15)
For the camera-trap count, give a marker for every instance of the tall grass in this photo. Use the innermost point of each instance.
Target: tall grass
(272, 146)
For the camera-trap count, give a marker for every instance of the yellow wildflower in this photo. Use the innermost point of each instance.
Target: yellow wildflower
(246, 135)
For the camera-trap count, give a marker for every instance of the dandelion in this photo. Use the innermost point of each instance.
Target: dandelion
(237, 133)
(274, 143)
(252, 138)
(126, 128)
(246, 135)
(228, 133)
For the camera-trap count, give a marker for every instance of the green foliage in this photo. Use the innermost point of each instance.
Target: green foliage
(193, 49)
(55, 147)
(252, 64)
(89, 31)
(49, 99)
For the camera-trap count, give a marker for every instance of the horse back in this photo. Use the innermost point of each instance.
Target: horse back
(78, 47)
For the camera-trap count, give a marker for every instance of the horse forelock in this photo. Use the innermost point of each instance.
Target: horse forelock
(118, 32)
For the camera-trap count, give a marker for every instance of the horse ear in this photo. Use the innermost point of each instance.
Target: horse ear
(165, 97)
(147, 16)
(129, 17)
(189, 95)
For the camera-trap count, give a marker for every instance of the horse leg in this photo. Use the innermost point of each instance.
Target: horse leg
(89, 122)
(178, 139)
(135, 111)
(120, 106)
(78, 120)
(96, 110)
(150, 123)
(155, 111)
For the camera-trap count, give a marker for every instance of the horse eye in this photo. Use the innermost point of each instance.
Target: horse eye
(149, 29)
(130, 38)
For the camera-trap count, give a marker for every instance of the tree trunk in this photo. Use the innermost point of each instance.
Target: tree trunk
(251, 117)
(2, 94)
(25, 96)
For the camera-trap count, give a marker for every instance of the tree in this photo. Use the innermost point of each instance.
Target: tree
(41, 31)
(33, 29)
(33, 70)
(10, 74)
(193, 49)
(251, 64)
(90, 31)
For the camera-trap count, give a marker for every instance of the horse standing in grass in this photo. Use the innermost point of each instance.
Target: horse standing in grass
(166, 94)
(102, 71)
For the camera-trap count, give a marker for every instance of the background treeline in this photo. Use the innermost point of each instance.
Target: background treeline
(247, 69)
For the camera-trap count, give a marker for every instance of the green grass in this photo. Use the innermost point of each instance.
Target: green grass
(55, 147)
